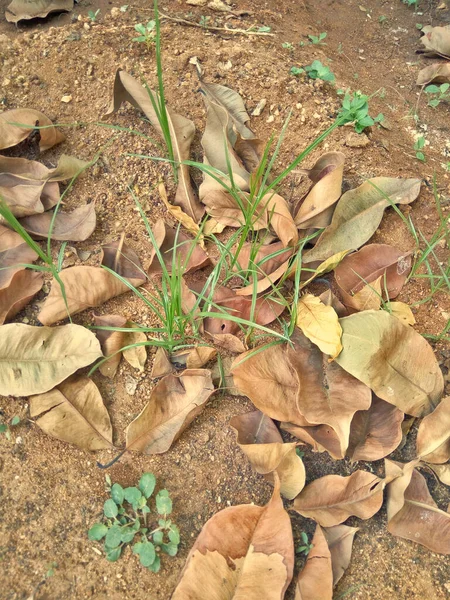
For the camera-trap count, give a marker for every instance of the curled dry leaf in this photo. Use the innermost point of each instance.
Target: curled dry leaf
(176, 249)
(260, 440)
(358, 214)
(411, 511)
(182, 131)
(136, 356)
(433, 437)
(35, 359)
(75, 226)
(228, 341)
(436, 41)
(315, 580)
(321, 437)
(340, 543)
(376, 432)
(17, 124)
(436, 73)
(20, 10)
(111, 341)
(373, 262)
(395, 361)
(188, 222)
(23, 286)
(243, 551)
(88, 287)
(329, 299)
(330, 500)
(161, 364)
(403, 312)
(320, 324)
(193, 358)
(323, 267)
(74, 412)
(174, 403)
(14, 252)
(441, 471)
(316, 209)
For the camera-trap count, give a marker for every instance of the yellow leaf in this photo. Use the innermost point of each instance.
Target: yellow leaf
(403, 312)
(320, 324)
(328, 265)
(178, 214)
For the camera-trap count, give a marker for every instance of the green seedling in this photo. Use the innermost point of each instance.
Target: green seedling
(6, 427)
(382, 19)
(128, 519)
(93, 15)
(287, 45)
(51, 569)
(204, 21)
(305, 546)
(418, 147)
(316, 70)
(317, 40)
(438, 94)
(414, 3)
(419, 26)
(355, 108)
(124, 8)
(147, 33)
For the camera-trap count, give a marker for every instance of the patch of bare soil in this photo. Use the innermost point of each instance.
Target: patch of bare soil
(52, 493)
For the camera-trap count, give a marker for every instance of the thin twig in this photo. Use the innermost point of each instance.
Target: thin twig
(211, 28)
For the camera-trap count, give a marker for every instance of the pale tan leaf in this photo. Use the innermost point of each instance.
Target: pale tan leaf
(174, 403)
(260, 440)
(23, 286)
(20, 10)
(368, 298)
(433, 437)
(395, 361)
(136, 356)
(228, 341)
(35, 359)
(161, 364)
(330, 500)
(17, 124)
(320, 324)
(441, 471)
(74, 412)
(436, 41)
(435, 73)
(326, 266)
(403, 312)
(315, 581)
(340, 543)
(193, 358)
(111, 341)
(14, 252)
(188, 222)
(75, 226)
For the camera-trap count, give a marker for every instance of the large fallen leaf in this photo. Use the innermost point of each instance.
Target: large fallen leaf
(315, 580)
(395, 361)
(35, 359)
(17, 124)
(316, 209)
(260, 440)
(243, 551)
(433, 437)
(74, 412)
(14, 253)
(411, 511)
(330, 500)
(359, 213)
(88, 287)
(376, 432)
(75, 226)
(177, 251)
(23, 286)
(369, 264)
(436, 41)
(174, 403)
(20, 10)
(182, 131)
(111, 341)
(320, 324)
(340, 543)
(436, 73)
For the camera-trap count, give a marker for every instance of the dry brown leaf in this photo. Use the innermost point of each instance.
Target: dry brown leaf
(188, 222)
(27, 119)
(329, 299)
(222, 378)
(403, 312)
(323, 267)
(316, 209)
(260, 440)
(436, 73)
(193, 358)
(376, 432)
(433, 436)
(174, 403)
(264, 260)
(74, 412)
(111, 341)
(14, 252)
(161, 364)
(23, 286)
(330, 500)
(368, 298)
(315, 580)
(411, 511)
(137, 355)
(88, 287)
(340, 543)
(243, 551)
(441, 471)
(176, 249)
(322, 438)
(75, 226)
(228, 341)
(35, 359)
(20, 10)
(373, 262)
(182, 131)
(320, 324)
(436, 41)
(395, 361)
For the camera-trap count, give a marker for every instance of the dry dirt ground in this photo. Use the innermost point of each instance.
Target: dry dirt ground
(51, 493)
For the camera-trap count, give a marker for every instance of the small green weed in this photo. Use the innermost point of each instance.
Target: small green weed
(414, 3)
(418, 147)
(316, 70)
(147, 33)
(382, 19)
(287, 45)
(93, 15)
(127, 515)
(355, 107)
(51, 569)
(317, 40)
(6, 427)
(204, 21)
(438, 93)
(305, 546)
